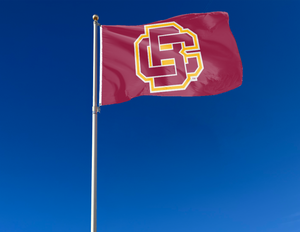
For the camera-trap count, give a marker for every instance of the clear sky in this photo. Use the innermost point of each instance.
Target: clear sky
(224, 163)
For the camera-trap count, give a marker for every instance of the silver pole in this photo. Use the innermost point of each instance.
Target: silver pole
(94, 131)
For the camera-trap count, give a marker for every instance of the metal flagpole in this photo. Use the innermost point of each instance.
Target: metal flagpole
(94, 130)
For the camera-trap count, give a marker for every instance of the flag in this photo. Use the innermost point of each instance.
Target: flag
(187, 55)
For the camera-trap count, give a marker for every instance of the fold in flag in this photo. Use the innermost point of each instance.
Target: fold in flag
(187, 55)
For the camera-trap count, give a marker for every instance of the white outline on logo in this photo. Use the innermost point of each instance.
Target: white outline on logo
(169, 62)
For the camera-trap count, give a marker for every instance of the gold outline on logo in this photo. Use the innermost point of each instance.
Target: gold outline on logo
(190, 76)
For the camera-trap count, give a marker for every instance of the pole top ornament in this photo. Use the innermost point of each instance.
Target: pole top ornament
(95, 17)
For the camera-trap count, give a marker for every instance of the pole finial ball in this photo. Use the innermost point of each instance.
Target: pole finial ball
(95, 17)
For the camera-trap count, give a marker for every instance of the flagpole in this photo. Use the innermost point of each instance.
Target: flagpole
(94, 130)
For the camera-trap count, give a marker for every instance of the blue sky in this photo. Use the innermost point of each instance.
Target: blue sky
(224, 163)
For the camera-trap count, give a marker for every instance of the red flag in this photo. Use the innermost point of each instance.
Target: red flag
(187, 55)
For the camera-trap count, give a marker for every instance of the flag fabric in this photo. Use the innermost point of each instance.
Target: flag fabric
(187, 55)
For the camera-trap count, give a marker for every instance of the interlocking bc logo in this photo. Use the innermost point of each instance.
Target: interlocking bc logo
(167, 57)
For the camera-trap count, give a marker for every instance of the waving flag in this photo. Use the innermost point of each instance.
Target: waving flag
(187, 55)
